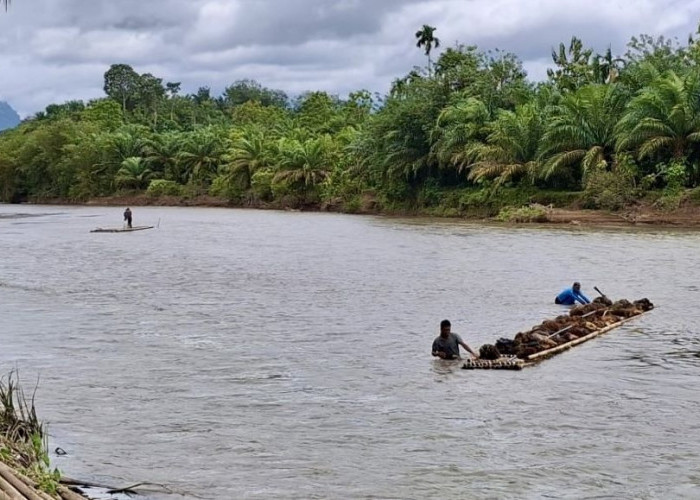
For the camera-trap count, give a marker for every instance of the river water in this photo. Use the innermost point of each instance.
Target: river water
(239, 354)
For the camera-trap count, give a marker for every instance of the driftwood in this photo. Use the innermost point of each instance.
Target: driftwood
(129, 490)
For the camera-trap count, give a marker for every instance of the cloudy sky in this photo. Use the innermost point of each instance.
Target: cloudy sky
(56, 50)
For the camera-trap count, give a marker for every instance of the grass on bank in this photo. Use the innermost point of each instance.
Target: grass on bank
(23, 437)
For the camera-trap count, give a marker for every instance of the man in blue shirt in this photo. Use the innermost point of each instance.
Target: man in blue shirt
(572, 295)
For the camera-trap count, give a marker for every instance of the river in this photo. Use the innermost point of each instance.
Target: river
(242, 354)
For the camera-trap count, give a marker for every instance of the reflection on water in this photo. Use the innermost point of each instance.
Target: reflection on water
(248, 354)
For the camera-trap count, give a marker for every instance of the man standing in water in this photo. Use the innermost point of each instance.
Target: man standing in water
(127, 217)
(446, 345)
(571, 295)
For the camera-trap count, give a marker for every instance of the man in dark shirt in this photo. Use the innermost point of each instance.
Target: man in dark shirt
(446, 345)
(127, 217)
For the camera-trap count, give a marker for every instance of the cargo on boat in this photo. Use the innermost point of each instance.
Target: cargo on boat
(554, 336)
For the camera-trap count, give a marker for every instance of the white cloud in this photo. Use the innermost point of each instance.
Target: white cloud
(54, 51)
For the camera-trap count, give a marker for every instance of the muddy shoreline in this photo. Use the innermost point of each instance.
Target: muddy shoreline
(640, 215)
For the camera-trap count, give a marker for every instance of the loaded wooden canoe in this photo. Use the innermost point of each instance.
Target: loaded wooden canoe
(515, 363)
(120, 229)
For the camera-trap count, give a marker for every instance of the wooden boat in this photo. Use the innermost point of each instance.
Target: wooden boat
(120, 229)
(515, 363)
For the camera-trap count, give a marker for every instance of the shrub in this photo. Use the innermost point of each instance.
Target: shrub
(161, 187)
(675, 176)
(261, 184)
(222, 188)
(613, 189)
(530, 213)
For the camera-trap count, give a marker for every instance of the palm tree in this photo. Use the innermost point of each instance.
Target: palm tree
(201, 156)
(304, 164)
(162, 155)
(129, 141)
(510, 151)
(134, 173)
(581, 133)
(248, 154)
(459, 128)
(663, 119)
(427, 40)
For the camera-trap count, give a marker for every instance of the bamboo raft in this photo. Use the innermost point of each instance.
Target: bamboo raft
(516, 363)
(16, 486)
(120, 229)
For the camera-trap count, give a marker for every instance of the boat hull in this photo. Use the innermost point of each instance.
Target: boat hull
(121, 229)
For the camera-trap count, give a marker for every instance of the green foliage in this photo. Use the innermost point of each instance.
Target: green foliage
(580, 134)
(244, 91)
(134, 173)
(674, 175)
(531, 213)
(510, 150)
(663, 121)
(23, 437)
(469, 134)
(614, 189)
(427, 40)
(261, 184)
(162, 187)
(223, 189)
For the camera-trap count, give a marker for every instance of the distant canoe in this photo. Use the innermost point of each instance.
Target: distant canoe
(120, 229)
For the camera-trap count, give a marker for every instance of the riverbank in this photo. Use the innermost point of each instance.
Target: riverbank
(25, 471)
(642, 213)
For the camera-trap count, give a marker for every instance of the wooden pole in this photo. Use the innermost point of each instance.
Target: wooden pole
(10, 490)
(22, 483)
(580, 340)
(17, 484)
(67, 494)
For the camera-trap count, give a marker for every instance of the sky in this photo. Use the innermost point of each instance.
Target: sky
(52, 51)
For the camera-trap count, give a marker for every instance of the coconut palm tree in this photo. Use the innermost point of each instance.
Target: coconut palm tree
(134, 173)
(459, 128)
(580, 135)
(510, 150)
(663, 120)
(427, 40)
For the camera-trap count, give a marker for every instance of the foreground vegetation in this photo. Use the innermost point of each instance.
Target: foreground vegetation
(469, 133)
(23, 438)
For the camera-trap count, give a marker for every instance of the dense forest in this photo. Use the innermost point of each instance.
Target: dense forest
(467, 132)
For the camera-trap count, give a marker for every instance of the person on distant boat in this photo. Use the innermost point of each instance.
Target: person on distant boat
(127, 217)
(446, 345)
(572, 295)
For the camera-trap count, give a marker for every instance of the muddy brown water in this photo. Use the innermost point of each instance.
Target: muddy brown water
(253, 355)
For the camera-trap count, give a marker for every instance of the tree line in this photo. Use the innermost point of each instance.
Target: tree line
(469, 130)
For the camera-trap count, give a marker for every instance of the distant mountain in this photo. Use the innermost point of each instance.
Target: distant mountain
(8, 116)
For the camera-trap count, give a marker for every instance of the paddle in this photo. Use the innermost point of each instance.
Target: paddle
(598, 290)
